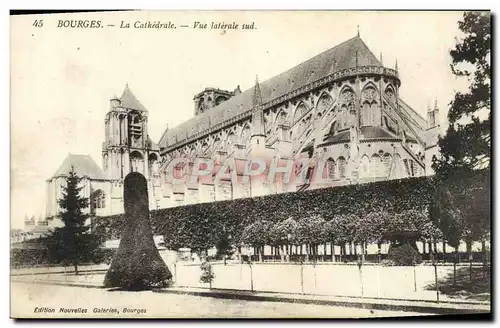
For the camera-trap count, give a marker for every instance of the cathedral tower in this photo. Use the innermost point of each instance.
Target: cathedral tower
(212, 97)
(127, 146)
(433, 115)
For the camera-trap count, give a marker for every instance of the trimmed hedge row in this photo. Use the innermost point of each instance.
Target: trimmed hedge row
(200, 226)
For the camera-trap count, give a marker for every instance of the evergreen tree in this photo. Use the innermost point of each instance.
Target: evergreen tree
(467, 143)
(73, 243)
(466, 147)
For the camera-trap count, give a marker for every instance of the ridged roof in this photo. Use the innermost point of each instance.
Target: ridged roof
(83, 165)
(367, 132)
(128, 100)
(345, 55)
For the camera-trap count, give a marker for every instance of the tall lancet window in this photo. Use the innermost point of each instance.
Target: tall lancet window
(105, 162)
(331, 169)
(135, 125)
(348, 114)
(365, 167)
(341, 167)
(370, 106)
(376, 166)
(387, 161)
(97, 200)
(153, 165)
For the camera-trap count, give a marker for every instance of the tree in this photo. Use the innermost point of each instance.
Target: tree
(137, 264)
(256, 235)
(340, 230)
(73, 243)
(467, 143)
(445, 214)
(282, 234)
(311, 232)
(463, 212)
(370, 228)
(224, 246)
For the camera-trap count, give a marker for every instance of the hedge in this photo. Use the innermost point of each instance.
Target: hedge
(200, 226)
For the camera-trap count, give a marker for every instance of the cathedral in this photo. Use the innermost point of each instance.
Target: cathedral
(340, 110)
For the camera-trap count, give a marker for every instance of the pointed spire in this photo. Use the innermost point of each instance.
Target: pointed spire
(258, 115)
(129, 100)
(358, 30)
(381, 59)
(396, 66)
(436, 104)
(257, 96)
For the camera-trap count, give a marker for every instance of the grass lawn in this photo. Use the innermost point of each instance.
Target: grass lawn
(466, 286)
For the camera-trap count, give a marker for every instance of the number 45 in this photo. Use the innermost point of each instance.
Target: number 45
(38, 23)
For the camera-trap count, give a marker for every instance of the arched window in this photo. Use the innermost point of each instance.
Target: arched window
(153, 164)
(341, 167)
(324, 103)
(245, 135)
(370, 109)
(105, 162)
(231, 138)
(281, 117)
(365, 167)
(376, 166)
(398, 167)
(300, 111)
(330, 167)
(387, 164)
(390, 94)
(98, 200)
(135, 128)
(348, 109)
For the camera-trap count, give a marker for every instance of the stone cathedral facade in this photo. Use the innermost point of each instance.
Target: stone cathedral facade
(340, 108)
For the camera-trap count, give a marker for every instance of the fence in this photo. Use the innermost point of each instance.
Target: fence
(320, 278)
(461, 257)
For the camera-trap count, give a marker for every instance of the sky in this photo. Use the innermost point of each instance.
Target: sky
(62, 78)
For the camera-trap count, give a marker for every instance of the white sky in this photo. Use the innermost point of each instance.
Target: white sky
(62, 79)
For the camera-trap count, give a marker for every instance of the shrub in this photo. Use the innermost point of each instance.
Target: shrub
(207, 274)
(387, 262)
(404, 255)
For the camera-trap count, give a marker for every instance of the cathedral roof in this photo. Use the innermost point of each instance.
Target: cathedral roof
(345, 55)
(367, 133)
(152, 144)
(83, 165)
(128, 100)
(376, 132)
